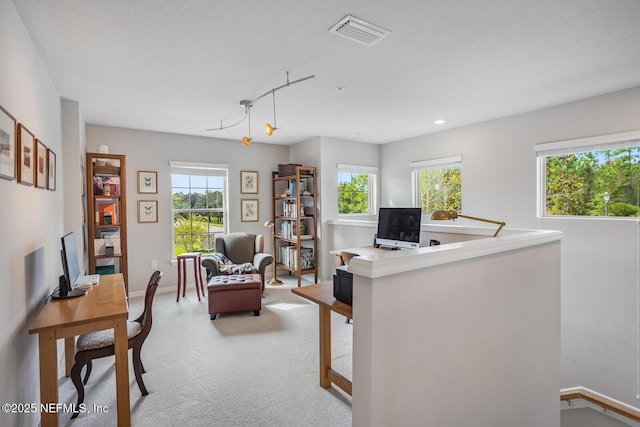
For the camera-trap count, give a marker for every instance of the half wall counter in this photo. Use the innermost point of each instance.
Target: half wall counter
(464, 333)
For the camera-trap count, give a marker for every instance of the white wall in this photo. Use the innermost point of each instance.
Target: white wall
(600, 256)
(30, 219)
(152, 151)
(325, 154)
(587, 417)
(73, 141)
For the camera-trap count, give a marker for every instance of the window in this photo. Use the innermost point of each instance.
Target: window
(356, 190)
(198, 205)
(437, 184)
(597, 176)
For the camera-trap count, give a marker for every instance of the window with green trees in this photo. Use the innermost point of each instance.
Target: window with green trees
(356, 192)
(198, 208)
(437, 184)
(603, 182)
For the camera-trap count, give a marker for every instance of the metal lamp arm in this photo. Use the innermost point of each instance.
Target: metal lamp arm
(500, 223)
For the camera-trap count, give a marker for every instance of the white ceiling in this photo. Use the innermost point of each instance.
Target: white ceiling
(181, 66)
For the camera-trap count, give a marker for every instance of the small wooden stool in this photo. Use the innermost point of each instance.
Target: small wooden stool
(182, 273)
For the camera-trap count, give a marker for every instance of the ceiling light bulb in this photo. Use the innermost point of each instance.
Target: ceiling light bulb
(440, 122)
(246, 141)
(268, 129)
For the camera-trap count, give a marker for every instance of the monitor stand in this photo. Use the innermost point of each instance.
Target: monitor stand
(73, 294)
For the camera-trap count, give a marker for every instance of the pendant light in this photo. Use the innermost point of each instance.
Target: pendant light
(246, 140)
(268, 128)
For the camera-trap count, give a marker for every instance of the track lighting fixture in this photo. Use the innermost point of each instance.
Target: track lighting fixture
(268, 128)
(247, 104)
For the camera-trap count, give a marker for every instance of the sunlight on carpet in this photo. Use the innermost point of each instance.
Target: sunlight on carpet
(286, 306)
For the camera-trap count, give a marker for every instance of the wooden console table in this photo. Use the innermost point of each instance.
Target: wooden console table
(104, 307)
(322, 294)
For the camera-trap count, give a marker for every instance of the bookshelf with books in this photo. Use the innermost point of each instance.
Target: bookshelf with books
(295, 220)
(106, 214)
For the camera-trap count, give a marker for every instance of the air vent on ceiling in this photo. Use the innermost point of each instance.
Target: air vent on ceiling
(359, 31)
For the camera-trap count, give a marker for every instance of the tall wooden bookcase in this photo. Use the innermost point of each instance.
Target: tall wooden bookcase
(295, 237)
(107, 214)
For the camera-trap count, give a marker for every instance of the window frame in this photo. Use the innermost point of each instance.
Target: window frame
(199, 169)
(372, 186)
(571, 146)
(422, 165)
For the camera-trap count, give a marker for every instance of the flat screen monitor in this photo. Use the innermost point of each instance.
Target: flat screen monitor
(70, 268)
(399, 227)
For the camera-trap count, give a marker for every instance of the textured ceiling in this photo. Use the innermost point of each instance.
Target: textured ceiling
(182, 66)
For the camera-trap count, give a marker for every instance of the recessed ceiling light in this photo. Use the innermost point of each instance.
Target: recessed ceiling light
(440, 122)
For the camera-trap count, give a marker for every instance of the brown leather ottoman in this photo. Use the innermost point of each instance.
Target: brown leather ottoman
(236, 292)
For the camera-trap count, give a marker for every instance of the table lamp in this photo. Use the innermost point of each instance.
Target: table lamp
(274, 280)
(444, 215)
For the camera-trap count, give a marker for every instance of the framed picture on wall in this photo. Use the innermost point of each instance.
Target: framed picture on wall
(51, 180)
(249, 182)
(147, 211)
(147, 182)
(41, 165)
(26, 155)
(7, 145)
(249, 210)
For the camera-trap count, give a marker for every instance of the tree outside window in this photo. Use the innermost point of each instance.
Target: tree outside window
(576, 183)
(437, 184)
(197, 203)
(356, 193)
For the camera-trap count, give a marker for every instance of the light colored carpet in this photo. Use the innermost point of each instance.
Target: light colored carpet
(238, 370)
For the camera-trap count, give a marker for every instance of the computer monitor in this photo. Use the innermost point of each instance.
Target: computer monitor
(70, 268)
(398, 228)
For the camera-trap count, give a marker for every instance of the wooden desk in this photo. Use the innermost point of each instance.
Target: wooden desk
(322, 294)
(104, 307)
(361, 251)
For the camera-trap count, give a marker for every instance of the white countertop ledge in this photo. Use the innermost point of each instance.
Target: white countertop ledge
(400, 261)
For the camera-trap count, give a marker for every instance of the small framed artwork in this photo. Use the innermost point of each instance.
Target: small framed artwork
(7, 145)
(41, 165)
(147, 211)
(249, 182)
(249, 210)
(26, 155)
(148, 182)
(51, 180)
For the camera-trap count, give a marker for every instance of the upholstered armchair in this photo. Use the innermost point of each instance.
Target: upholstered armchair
(239, 248)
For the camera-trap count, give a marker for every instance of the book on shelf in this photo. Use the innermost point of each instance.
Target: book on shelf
(302, 236)
(306, 258)
(290, 209)
(293, 210)
(107, 247)
(106, 186)
(106, 212)
(288, 256)
(288, 231)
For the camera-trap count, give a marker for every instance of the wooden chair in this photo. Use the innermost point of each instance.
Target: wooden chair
(101, 344)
